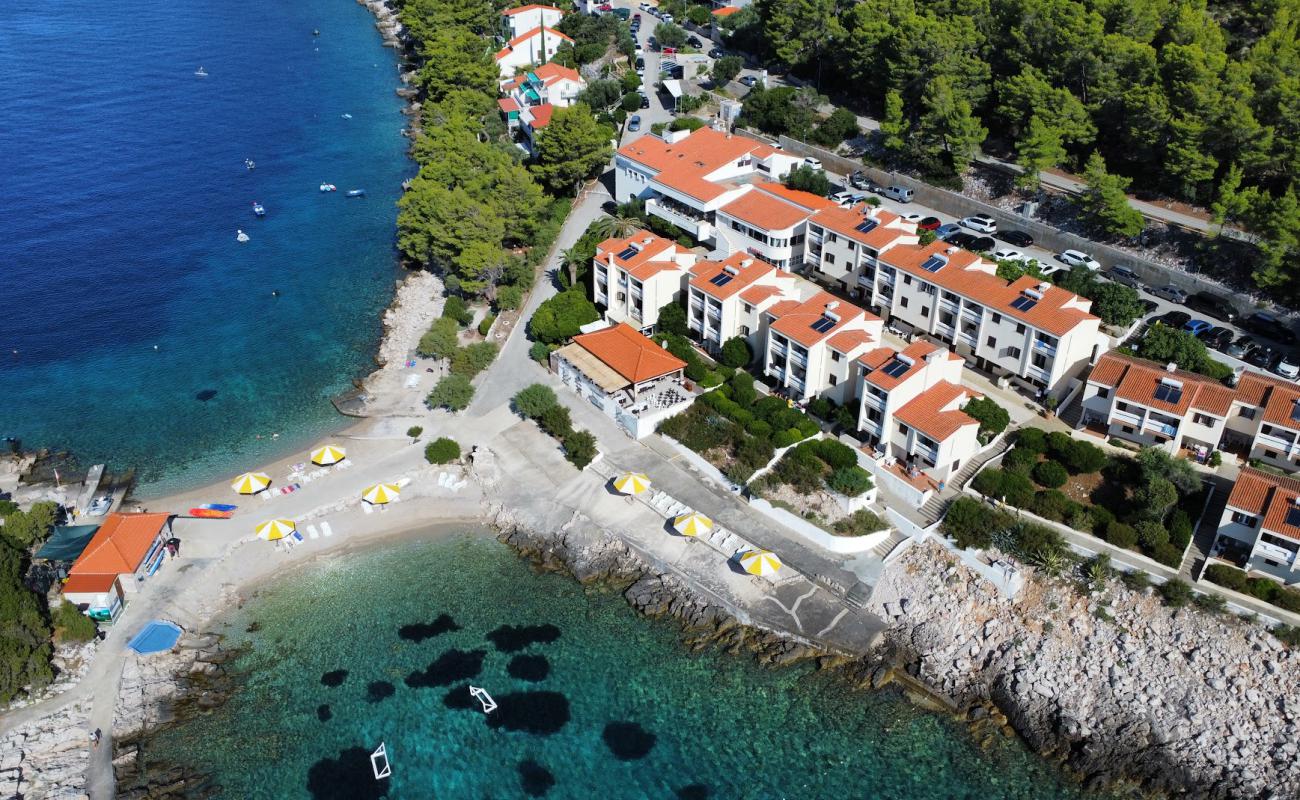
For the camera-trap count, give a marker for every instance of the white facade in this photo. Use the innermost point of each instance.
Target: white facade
(1261, 521)
(728, 298)
(811, 346)
(533, 47)
(637, 276)
(517, 21)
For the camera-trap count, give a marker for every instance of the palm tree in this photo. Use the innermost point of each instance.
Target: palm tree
(618, 227)
(571, 261)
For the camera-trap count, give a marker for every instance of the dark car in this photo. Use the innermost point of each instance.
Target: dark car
(645, 101)
(1018, 238)
(634, 122)
(1148, 305)
(1270, 326)
(1214, 305)
(1173, 319)
(749, 80)
(1264, 357)
(717, 52)
(961, 239)
(983, 244)
(1217, 338)
(1241, 347)
(929, 223)
(694, 41)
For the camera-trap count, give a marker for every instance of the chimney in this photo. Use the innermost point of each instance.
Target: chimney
(1171, 367)
(1044, 286)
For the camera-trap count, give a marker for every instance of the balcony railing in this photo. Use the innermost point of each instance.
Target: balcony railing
(1269, 440)
(776, 372)
(1161, 427)
(1126, 417)
(1044, 347)
(1272, 552)
(868, 282)
(777, 351)
(682, 216)
(797, 359)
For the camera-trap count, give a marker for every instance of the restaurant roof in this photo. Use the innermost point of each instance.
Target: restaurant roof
(630, 354)
(120, 544)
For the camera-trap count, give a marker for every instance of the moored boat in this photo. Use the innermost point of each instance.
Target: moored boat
(328, 187)
(356, 193)
(259, 209)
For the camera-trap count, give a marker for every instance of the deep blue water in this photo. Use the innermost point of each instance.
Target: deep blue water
(123, 187)
(379, 646)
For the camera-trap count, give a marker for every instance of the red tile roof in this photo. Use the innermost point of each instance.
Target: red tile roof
(510, 12)
(654, 254)
(935, 413)
(683, 166)
(1135, 380)
(725, 11)
(765, 211)
(120, 544)
(630, 354)
(541, 115)
(914, 352)
(848, 341)
(551, 72)
(808, 200)
(525, 36)
(88, 584)
(1271, 496)
(744, 268)
(796, 321)
(845, 222)
(508, 104)
(757, 294)
(1281, 404)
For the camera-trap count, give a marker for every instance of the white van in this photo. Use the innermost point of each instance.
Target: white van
(900, 193)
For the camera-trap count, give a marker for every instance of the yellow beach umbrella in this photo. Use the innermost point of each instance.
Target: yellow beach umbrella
(275, 529)
(692, 524)
(329, 454)
(632, 482)
(760, 562)
(251, 482)
(381, 493)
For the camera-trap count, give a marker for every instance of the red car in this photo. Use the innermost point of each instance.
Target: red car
(605, 7)
(929, 223)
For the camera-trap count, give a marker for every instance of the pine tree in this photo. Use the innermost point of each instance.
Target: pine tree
(1104, 202)
(1040, 148)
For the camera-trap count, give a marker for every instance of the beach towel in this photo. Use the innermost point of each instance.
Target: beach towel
(312, 532)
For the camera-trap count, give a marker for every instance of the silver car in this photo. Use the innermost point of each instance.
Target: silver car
(1171, 293)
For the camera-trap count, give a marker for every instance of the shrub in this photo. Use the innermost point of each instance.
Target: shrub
(711, 379)
(472, 359)
(1175, 592)
(1287, 635)
(672, 319)
(993, 418)
(850, 481)
(453, 393)
(860, 523)
(696, 371)
(1229, 577)
(1136, 579)
(736, 352)
(1216, 459)
(1050, 474)
(754, 453)
(806, 425)
(1168, 555)
(801, 469)
(535, 400)
(485, 324)
(785, 438)
(1101, 517)
(1155, 498)
(1121, 535)
(579, 448)
(414, 431)
(1032, 439)
(760, 429)
(562, 316)
(989, 482)
(1019, 459)
(70, 625)
(455, 308)
(442, 451)
(509, 298)
(1082, 458)
(1059, 444)
(820, 407)
(742, 389)
(971, 523)
(539, 352)
(440, 340)
(836, 454)
(1151, 535)
(1051, 504)
(1034, 540)
(556, 421)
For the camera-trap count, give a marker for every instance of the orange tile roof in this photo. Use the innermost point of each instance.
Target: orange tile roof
(808, 200)
(120, 544)
(654, 254)
(848, 341)
(1134, 379)
(745, 268)
(725, 11)
(508, 104)
(510, 12)
(931, 412)
(757, 294)
(845, 222)
(628, 353)
(765, 212)
(796, 321)
(551, 72)
(683, 166)
(1273, 496)
(88, 584)
(525, 36)
(914, 352)
(1254, 387)
(1281, 404)
(541, 115)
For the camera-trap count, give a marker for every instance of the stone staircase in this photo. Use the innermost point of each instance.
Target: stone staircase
(882, 550)
(935, 507)
(1072, 414)
(858, 595)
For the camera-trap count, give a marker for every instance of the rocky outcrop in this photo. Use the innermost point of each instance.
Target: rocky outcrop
(1115, 685)
(47, 758)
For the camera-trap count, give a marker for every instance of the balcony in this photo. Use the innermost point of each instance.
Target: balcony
(798, 386)
(777, 351)
(1044, 347)
(715, 313)
(1272, 552)
(798, 359)
(949, 306)
(1125, 417)
(1161, 428)
(776, 372)
(1274, 443)
(683, 216)
(867, 282)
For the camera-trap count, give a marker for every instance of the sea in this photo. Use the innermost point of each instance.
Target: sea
(135, 330)
(592, 700)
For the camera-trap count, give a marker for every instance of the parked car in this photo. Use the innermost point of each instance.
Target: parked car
(1123, 273)
(980, 222)
(859, 180)
(605, 7)
(634, 122)
(944, 231)
(983, 244)
(1173, 319)
(970, 241)
(814, 163)
(668, 18)
(717, 52)
(901, 194)
(645, 101)
(640, 66)
(1008, 254)
(1263, 357)
(694, 41)
(1288, 366)
(1018, 238)
(1171, 293)
(1197, 326)
(623, 13)
(1217, 338)
(1148, 305)
(912, 218)
(1078, 258)
(1215, 305)
(1268, 325)
(848, 199)
(1241, 347)
(749, 80)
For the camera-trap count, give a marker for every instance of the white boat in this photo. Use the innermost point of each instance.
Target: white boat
(201, 72)
(259, 209)
(328, 187)
(356, 192)
(481, 695)
(248, 162)
(240, 236)
(347, 116)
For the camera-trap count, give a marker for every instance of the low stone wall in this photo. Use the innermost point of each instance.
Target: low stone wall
(814, 534)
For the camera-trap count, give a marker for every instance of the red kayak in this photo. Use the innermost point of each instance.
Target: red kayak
(211, 513)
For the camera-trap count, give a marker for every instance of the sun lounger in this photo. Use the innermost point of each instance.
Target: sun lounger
(312, 533)
(267, 495)
(367, 508)
(326, 530)
(294, 539)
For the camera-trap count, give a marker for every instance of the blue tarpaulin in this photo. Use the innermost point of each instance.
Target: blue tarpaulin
(156, 637)
(67, 542)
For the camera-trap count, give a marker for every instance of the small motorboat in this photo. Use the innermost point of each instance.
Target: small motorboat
(347, 116)
(316, 32)
(201, 72)
(240, 236)
(356, 192)
(248, 162)
(328, 187)
(259, 209)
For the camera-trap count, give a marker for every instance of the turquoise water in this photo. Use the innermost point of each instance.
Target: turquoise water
(683, 725)
(124, 184)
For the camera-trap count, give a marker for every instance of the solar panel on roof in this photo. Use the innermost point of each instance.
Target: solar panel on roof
(721, 279)
(867, 225)
(1293, 517)
(1023, 303)
(1168, 392)
(823, 324)
(1295, 411)
(896, 367)
(628, 253)
(934, 263)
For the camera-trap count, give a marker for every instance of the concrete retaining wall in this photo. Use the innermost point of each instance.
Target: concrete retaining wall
(814, 534)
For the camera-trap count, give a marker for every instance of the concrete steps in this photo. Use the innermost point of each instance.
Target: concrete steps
(882, 550)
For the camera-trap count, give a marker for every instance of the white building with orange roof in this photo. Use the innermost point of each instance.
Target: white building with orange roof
(844, 244)
(685, 177)
(550, 83)
(727, 298)
(1039, 334)
(534, 46)
(910, 408)
(638, 275)
(769, 221)
(515, 21)
(1261, 524)
(812, 344)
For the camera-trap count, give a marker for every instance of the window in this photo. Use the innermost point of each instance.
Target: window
(1248, 520)
(947, 318)
(835, 356)
(902, 429)
(830, 259)
(1270, 454)
(1020, 328)
(744, 330)
(832, 238)
(925, 312)
(1246, 412)
(1040, 361)
(1126, 429)
(1103, 392)
(991, 342)
(907, 280)
(956, 464)
(996, 318)
(1014, 352)
(748, 308)
(832, 379)
(1202, 419)
(903, 302)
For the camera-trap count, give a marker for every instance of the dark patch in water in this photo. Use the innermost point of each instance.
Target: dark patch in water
(323, 712)
(420, 631)
(451, 666)
(253, 627)
(541, 713)
(513, 638)
(205, 395)
(460, 698)
(628, 741)
(348, 777)
(529, 668)
(334, 678)
(696, 791)
(535, 779)
(379, 690)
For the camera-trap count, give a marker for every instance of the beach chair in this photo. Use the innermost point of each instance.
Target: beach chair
(326, 530)
(367, 508)
(267, 495)
(294, 539)
(312, 533)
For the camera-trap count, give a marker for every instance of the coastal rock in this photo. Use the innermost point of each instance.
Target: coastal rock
(47, 757)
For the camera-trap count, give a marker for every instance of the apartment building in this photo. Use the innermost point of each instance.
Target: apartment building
(638, 275)
(1261, 522)
(1029, 330)
(728, 298)
(910, 408)
(812, 343)
(532, 46)
(516, 21)
(550, 84)
(1149, 403)
(768, 221)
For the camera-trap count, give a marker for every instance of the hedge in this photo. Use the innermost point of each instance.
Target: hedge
(442, 451)
(1265, 589)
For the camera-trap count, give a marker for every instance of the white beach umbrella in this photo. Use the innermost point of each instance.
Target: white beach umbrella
(381, 493)
(251, 482)
(760, 562)
(328, 454)
(692, 524)
(632, 482)
(276, 529)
